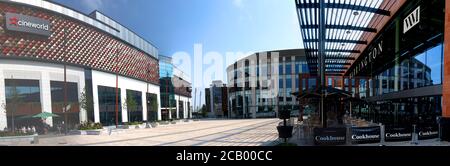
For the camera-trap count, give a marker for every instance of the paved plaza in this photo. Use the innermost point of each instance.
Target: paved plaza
(253, 132)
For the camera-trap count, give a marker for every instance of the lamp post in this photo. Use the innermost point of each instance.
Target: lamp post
(117, 88)
(65, 82)
(116, 56)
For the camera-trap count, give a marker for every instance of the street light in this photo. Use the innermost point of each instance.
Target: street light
(65, 82)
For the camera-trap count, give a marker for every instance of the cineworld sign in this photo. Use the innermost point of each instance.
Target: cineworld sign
(330, 136)
(363, 135)
(27, 24)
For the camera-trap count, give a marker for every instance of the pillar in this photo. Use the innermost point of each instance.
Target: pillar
(46, 97)
(3, 119)
(446, 82)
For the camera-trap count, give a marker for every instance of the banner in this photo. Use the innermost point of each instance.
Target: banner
(364, 135)
(428, 132)
(393, 134)
(330, 136)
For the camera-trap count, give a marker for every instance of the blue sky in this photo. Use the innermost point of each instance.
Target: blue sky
(219, 25)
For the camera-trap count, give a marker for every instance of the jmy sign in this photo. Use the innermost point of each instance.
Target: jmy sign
(28, 24)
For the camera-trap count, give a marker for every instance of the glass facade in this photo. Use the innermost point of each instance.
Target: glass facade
(152, 107)
(402, 82)
(134, 106)
(73, 112)
(23, 100)
(107, 105)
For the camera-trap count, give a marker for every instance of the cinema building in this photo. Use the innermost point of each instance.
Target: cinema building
(391, 54)
(54, 59)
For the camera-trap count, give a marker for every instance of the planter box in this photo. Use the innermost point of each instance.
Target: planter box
(154, 125)
(87, 132)
(163, 123)
(33, 139)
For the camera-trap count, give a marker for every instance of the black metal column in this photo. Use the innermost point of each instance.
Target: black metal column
(322, 31)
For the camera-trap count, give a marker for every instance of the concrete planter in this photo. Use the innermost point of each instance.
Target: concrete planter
(33, 139)
(87, 132)
(154, 124)
(163, 123)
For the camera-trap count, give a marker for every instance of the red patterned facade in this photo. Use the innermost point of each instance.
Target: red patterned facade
(86, 46)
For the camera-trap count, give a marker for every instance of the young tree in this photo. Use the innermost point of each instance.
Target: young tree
(14, 102)
(154, 105)
(86, 102)
(130, 104)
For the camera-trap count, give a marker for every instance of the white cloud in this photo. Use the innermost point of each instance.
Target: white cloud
(238, 3)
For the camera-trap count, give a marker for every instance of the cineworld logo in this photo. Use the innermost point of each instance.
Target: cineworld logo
(412, 20)
(329, 138)
(28, 24)
(15, 21)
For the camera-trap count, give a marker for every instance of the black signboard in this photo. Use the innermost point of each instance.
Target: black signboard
(393, 134)
(330, 136)
(428, 132)
(363, 135)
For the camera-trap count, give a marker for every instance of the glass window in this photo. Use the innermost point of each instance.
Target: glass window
(22, 99)
(434, 64)
(288, 69)
(57, 97)
(280, 70)
(152, 107)
(107, 105)
(134, 105)
(288, 83)
(312, 83)
(281, 83)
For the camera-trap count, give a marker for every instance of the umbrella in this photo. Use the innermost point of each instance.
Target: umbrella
(45, 115)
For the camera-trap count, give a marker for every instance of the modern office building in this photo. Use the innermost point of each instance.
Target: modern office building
(176, 88)
(216, 98)
(262, 83)
(391, 53)
(40, 39)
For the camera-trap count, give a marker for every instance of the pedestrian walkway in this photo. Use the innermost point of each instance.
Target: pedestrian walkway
(248, 132)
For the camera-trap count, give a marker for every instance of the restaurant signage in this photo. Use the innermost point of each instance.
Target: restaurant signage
(428, 132)
(370, 57)
(411, 20)
(330, 136)
(393, 134)
(363, 135)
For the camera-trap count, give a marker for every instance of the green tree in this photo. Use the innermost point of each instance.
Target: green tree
(154, 105)
(86, 102)
(204, 111)
(130, 104)
(11, 107)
